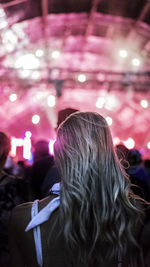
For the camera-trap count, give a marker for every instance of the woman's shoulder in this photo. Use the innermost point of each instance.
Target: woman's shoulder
(21, 214)
(26, 207)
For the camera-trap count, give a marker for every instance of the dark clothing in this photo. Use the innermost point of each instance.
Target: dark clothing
(53, 243)
(9, 198)
(38, 173)
(139, 177)
(51, 178)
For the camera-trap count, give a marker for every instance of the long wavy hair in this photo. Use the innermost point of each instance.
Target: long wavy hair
(97, 209)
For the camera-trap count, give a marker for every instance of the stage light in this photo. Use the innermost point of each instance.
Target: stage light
(136, 62)
(39, 53)
(51, 147)
(28, 61)
(148, 145)
(28, 134)
(55, 54)
(123, 53)
(100, 102)
(81, 78)
(109, 120)
(51, 101)
(144, 103)
(13, 97)
(129, 143)
(35, 119)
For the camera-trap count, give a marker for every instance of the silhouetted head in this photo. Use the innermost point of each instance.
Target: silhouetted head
(5, 146)
(64, 113)
(41, 149)
(134, 157)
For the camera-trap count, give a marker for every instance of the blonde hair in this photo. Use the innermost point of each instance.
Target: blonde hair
(96, 207)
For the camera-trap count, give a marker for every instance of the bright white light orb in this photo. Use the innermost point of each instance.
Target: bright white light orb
(81, 78)
(28, 134)
(35, 119)
(123, 53)
(51, 100)
(129, 143)
(28, 61)
(13, 97)
(39, 53)
(109, 120)
(144, 103)
(55, 54)
(136, 62)
(100, 102)
(148, 145)
(24, 73)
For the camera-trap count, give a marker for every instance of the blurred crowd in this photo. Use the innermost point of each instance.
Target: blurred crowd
(21, 183)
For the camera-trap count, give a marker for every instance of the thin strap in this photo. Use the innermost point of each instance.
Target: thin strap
(37, 235)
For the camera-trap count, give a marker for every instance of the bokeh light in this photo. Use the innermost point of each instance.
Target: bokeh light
(109, 120)
(39, 53)
(35, 119)
(100, 102)
(123, 53)
(136, 62)
(13, 97)
(55, 54)
(28, 134)
(144, 103)
(148, 145)
(82, 78)
(28, 61)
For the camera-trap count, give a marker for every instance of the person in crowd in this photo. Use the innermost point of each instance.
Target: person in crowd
(53, 175)
(9, 198)
(122, 153)
(94, 220)
(43, 161)
(147, 166)
(138, 174)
